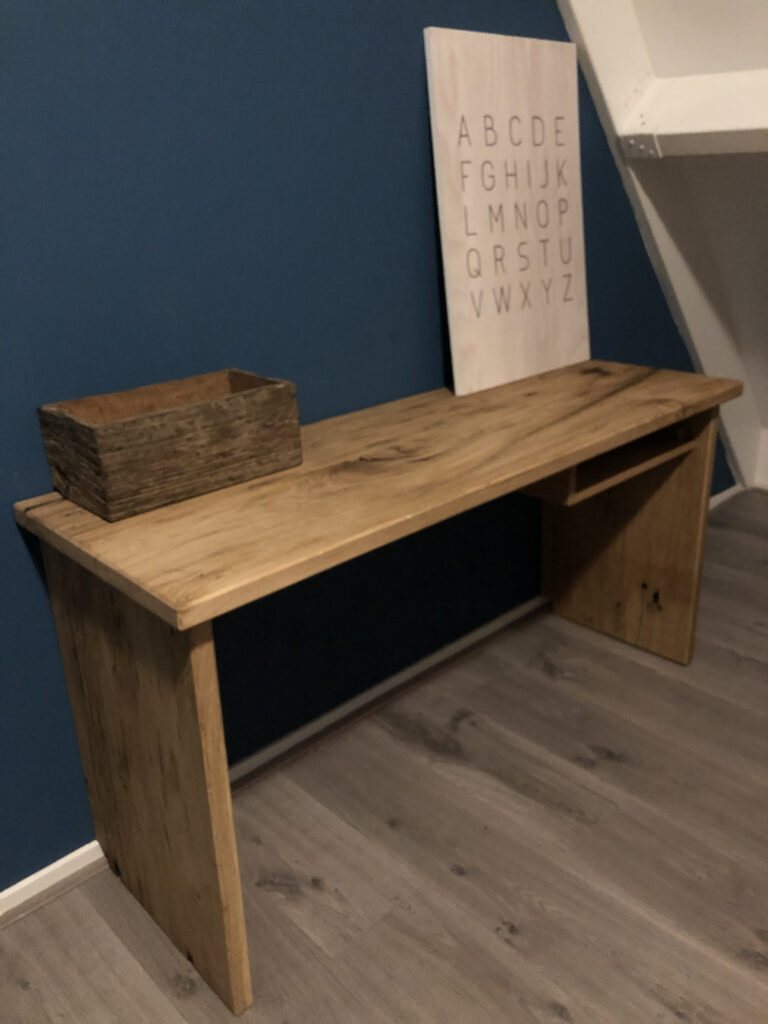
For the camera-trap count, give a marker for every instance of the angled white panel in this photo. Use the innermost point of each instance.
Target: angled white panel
(704, 219)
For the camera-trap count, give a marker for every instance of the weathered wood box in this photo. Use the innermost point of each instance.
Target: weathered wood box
(130, 451)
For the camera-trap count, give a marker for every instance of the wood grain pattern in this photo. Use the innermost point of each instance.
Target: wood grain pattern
(556, 827)
(145, 702)
(126, 452)
(369, 478)
(505, 139)
(627, 561)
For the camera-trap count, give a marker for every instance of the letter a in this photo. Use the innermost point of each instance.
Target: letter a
(464, 131)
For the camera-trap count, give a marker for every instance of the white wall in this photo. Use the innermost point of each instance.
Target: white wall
(708, 216)
(716, 210)
(694, 37)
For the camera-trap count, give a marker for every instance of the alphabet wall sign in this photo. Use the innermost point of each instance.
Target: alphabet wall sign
(505, 139)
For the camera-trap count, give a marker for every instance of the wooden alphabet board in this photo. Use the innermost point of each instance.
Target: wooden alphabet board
(505, 138)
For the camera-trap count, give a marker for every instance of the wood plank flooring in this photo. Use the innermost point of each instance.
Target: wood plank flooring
(554, 827)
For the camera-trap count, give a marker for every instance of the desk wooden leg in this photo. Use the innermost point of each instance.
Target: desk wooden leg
(146, 707)
(628, 561)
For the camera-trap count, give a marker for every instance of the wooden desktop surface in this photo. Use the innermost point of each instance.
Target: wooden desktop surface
(368, 478)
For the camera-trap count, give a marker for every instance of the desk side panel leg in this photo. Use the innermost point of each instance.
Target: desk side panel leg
(628, 561)
(146, 706)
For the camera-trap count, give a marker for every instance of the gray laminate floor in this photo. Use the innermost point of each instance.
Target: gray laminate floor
(555, 827)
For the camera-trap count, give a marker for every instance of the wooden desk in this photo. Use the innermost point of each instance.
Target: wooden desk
(622, 454)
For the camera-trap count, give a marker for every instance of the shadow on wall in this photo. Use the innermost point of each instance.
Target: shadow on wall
(715, 209)
(289, 657)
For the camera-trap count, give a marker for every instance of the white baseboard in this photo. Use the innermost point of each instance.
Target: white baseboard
(357, 705)
(50, 881)
(729, 492)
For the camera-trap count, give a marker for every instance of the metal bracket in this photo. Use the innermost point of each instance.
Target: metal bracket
(639, 147)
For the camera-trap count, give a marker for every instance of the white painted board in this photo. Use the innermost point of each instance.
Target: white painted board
(505, 139)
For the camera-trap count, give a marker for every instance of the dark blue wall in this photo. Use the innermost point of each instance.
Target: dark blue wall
(191, 184)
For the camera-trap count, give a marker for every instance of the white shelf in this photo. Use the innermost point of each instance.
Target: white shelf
(697, 114)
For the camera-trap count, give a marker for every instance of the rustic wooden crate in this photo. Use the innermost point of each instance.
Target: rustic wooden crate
(130, 451)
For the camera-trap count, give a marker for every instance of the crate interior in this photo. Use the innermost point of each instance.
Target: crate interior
(97, 410)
